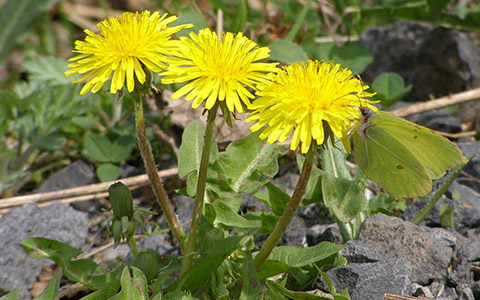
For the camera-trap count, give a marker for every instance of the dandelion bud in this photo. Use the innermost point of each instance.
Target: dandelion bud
(121, 200)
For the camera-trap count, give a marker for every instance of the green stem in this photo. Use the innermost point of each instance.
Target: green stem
(452, 175)
(298, 23)
(287, 215)
(200, 193)
(152, 172)
(133, 246)
(344, 231)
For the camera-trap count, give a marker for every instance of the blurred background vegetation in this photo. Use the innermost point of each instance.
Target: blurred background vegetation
(45, 124)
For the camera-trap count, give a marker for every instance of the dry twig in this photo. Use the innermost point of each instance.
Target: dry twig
(416, 108)
(400, 297)
(81, 193)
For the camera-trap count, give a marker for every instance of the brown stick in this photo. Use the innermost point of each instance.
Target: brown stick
(400, 297)
(437, 103)
(82, 193)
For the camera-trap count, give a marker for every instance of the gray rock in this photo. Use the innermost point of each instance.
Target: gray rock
(450, 238)
(464, 217)
(468, 182)
(437, 288)
(314, 214)
(466, 294)
(250, 203)
(465, 195)
(440, 121)
(473, 168)
(184, 210)
(476, 289)
(448, 294)
(287, 182)
(159, 242)
(359, 252)
(320, 233)
(56, 221)
(470, 252)
(460, 275)
(373, 280)
(295, 233)
(113, 255)
(421, 291)
(75, 174)
(434, 60)
(429, 257)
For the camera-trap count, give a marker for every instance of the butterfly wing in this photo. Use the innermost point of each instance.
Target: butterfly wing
(389, 163)
(434, 152)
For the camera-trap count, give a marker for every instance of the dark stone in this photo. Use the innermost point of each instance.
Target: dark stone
(315, 213)
(113, 255)
(373, 280)
(476, 289)
(287, 182)
(250, 203)
(359, 252)
(428, 252)
(469, 182)
(470, 252)
(439, 121)
(184, 210)
(460, 275)
(420, 291)
(293, 236)
(56, 221)
(473, 168)
(129, 171)
(466, 294)
(159, 242)
(448, 294)
(464, 217)
(435, 290)
(465, 194)
(323, 233)
(295, 233)
(435, 60)
(74, 175)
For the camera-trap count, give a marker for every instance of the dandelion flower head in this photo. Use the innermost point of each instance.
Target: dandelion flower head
(303, 98)
(218, 68)
(123, 47)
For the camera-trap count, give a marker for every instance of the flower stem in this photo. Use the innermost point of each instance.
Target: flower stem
(133, 246)
(299, 21)
(200, 193)
(151, 168)
(287, 215)
(447, 181)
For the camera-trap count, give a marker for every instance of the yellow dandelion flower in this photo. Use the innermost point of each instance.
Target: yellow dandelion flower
(302, 98)
(123, 47)
(217, 69)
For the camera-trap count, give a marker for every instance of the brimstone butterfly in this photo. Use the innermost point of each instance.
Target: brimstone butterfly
(401, 156)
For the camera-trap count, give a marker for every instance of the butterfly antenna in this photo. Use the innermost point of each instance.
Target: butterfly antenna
(359, 78)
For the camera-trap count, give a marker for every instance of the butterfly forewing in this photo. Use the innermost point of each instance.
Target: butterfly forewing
(388, 162)
(434, 152)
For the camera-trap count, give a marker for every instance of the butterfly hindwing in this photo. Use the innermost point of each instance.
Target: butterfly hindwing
(435, 152)
(389, 163)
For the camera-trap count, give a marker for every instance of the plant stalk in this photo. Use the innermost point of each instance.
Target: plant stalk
(299, 22)
(200, 193)
(452, 175)
(287, 215)
(152, 172)
(133, 246)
